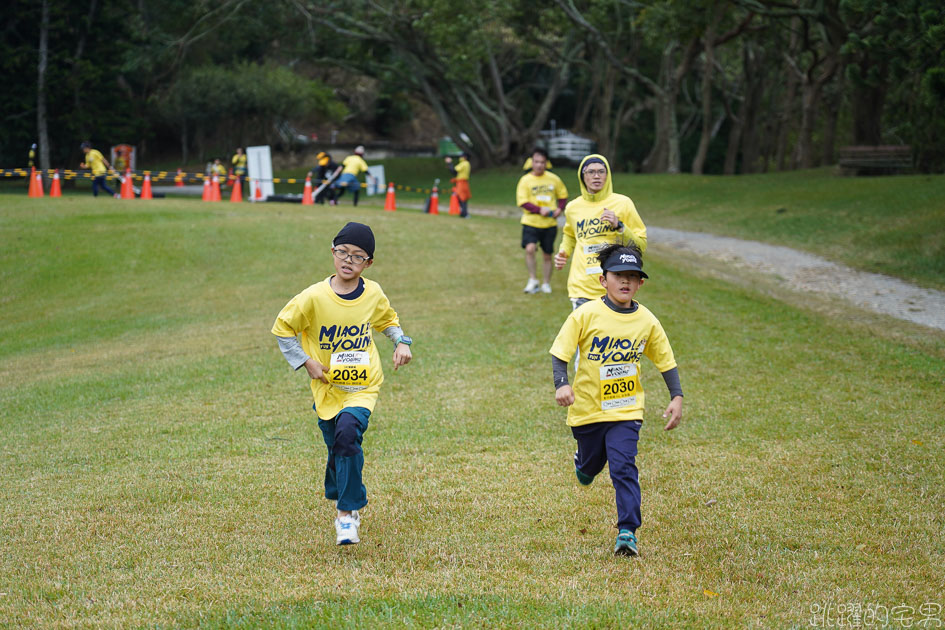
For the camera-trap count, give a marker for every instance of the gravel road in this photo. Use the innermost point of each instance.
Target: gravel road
(872, 291)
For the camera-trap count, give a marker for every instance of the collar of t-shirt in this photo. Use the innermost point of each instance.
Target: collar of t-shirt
(615, 308)
(354, 294)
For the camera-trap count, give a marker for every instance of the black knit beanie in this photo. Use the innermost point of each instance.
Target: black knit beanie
(356, 234)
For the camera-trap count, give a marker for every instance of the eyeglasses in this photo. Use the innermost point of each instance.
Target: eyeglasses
(596, 173)
(342, 254)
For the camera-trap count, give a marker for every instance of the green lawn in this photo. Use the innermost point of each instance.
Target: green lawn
(888, 225)
(161, 465)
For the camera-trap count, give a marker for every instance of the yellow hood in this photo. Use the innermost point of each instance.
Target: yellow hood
(608, 185)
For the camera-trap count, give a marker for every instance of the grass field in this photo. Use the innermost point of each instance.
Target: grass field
(888, 225)
(161, 465)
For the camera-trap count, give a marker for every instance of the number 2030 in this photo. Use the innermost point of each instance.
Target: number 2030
(618, 387)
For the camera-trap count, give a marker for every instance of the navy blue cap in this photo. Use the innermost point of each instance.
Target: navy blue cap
(624, 261)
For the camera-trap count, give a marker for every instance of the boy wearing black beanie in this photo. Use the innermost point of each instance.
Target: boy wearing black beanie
(335, 318)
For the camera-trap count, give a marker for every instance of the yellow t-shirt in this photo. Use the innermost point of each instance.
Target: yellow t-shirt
(607, 386)
(337, 333)
(585, 233)
(543, 191)
(96, 162)
(463, 169)
(239, 164)
(354, 165)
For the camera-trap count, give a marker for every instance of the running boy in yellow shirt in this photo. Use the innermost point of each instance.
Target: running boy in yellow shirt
(335, 318)
(605, 406)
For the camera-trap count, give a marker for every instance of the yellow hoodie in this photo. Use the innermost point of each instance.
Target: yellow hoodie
(585, 232)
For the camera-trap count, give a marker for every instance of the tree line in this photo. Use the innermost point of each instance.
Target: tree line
(706, 86)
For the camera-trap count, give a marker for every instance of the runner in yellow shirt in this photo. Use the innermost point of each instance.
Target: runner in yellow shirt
(335, 318)
(96, 162)
(594, 220)
(239, 169)
(350, 168)
(605, 406)
(542, 197)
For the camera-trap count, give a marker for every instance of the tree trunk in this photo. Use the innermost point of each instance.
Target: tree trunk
(698, 162)
(868, 103)
(603, 120)
(830, 128)
(731, 150)
(41, 122)
(84, 131)
(664, 155)
(810, 101)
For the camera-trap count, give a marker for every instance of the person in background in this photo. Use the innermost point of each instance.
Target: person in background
(239, 168)
(33, 155)
(220, 171)
(346, 175)
(460, 181)
(323, 174)
(542, 197)
(594, 220)
(96, 162)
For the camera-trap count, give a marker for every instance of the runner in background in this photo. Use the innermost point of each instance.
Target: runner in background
(96, 162)
(460, 181)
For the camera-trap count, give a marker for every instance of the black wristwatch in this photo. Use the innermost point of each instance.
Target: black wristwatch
(404, 339)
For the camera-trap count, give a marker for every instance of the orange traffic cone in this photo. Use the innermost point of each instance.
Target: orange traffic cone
(55, 190)
(179, 180)
(454, 203)
(435, 202)
(390, 204)
(146, 187)
(258, 196)
(127, 187)
(237, 195)
(307, 192)
(207, 196)
(215, 189)
(36, 183)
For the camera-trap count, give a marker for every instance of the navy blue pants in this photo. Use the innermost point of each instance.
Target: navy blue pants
(616, 443)
(99, 182)
(343, 435)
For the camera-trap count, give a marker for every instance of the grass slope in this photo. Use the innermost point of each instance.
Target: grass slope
(162, 466)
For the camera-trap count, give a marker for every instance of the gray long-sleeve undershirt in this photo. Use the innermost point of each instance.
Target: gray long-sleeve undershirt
(292, 349)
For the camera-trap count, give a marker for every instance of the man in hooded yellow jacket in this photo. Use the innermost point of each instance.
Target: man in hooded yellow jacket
(594, 220)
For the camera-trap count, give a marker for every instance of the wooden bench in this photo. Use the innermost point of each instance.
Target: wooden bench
(875, 160)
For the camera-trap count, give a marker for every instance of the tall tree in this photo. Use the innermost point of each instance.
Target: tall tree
(41, 126)
(467, 61)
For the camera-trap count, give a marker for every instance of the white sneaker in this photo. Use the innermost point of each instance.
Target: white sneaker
(546, 288)
(346, 529)
(532, 286)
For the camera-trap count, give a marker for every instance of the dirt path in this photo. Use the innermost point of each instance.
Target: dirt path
(881, 294)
